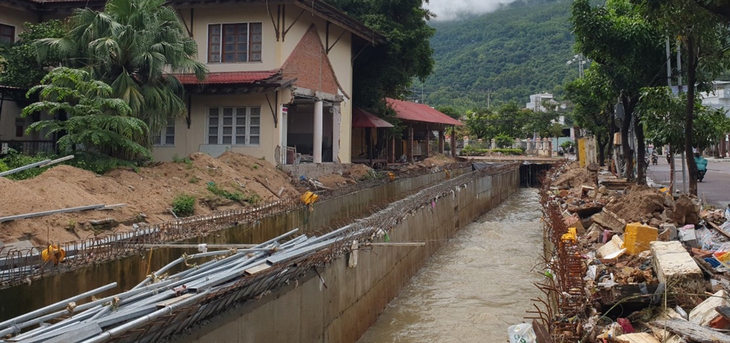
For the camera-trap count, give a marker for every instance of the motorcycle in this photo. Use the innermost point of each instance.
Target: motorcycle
(654, 159)
(669, 158)
(701, 174)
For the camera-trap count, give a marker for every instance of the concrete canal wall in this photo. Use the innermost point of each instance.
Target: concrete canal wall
(341, 305)
(130, 270)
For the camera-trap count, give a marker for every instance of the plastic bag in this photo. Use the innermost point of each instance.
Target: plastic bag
(521, 333)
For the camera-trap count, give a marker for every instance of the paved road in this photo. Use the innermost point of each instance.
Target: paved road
(715, 188)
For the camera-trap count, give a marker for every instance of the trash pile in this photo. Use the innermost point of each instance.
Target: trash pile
(633, 264)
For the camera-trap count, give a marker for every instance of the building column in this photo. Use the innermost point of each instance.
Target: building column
(336, 134)
(428, 142)
(453, 142)
(317, 132)
(410, 143)
(441, 140)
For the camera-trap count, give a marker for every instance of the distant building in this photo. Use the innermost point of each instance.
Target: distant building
(537, 100)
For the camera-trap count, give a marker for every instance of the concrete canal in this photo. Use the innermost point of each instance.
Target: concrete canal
(477, 285)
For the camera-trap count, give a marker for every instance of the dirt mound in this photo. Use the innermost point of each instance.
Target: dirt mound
(436, 160)
(573, 177)
(229, 181)
(639, 204)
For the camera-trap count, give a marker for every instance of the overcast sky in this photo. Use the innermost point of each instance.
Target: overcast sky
(450, 9)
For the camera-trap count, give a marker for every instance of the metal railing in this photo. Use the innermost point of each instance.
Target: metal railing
(31, 147)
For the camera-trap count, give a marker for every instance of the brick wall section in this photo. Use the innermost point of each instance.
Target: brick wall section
(309, 64)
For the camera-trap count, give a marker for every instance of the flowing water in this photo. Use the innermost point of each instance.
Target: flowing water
(476, 286)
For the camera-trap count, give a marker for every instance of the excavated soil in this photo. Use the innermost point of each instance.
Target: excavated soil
(639, 204)
(148, 193)
(574, 177)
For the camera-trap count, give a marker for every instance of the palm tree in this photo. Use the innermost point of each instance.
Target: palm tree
(132, 46)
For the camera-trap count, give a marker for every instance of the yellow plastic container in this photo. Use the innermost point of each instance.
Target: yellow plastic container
(637, 237)
(309, 198)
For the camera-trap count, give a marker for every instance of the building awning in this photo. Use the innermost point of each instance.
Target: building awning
(234, 77)
(362, 118)
(412, 111)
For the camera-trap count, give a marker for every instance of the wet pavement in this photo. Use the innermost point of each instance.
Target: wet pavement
(476, 286)
(714, 189)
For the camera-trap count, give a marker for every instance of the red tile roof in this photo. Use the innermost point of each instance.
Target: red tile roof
(227, 77)
(362, 118)
(412, 111)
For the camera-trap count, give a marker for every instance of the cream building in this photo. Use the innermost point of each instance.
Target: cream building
(280, 79)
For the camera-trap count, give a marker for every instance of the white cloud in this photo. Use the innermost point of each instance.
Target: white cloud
(452, 9)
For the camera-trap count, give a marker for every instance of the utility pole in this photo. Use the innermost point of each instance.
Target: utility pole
(489, 97)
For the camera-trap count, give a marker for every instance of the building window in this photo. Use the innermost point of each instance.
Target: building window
(7, 34)
(234, 43)
(166, 137)
(234, 125)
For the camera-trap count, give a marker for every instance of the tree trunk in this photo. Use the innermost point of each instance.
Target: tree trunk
(625, 125)
(601, 150)
(688, 130)
(640, 152)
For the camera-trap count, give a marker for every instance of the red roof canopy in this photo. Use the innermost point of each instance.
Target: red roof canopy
(412, 111)
(362, 118)
(227, 77)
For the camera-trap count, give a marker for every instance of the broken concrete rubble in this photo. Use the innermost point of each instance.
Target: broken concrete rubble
(676, 268)
(662, 260)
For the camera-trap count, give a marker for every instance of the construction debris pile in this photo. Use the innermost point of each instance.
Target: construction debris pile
(630, 263)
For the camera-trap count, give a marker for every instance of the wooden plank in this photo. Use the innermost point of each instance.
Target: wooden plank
(257, 269)
(692, 331)
(541, 333)
(641, 337)
(48, 213)
(174, 300)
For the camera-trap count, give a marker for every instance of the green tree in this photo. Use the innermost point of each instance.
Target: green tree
(664, 115)
(593, 99)
(97, 123)
(704, 38)
(629, 50)
(131, 46)
(20, 66)
(479, 124)
(387, 70)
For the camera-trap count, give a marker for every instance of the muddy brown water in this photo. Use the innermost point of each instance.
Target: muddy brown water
(476, 286)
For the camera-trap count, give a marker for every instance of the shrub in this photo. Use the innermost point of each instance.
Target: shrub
(184, 205)
(235, 196)
(471, 150)
(15, 159)
(503, 140)
(510, 151)
(566, 145)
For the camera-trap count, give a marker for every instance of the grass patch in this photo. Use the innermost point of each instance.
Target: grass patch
(184, 205)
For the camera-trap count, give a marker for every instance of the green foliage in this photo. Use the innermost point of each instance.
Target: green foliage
(15, 159)
(518, 50)
(132, 46)
(194, 179)
(386, 70)
(184, 205)
(20, 65)
(95, 122)
(235, 196)
(471, 150)
(503, 140)
(664, 117)
(567, 145)
(99, 163)
(185, 160)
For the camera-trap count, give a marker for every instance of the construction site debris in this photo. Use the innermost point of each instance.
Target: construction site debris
(638, 276)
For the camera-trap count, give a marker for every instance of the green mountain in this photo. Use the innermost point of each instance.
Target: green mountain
(506, 55)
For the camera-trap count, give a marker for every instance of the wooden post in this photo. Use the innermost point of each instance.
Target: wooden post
(428, 141)
(392, 150)
(441, 140)
(410, 143)
(453, 142)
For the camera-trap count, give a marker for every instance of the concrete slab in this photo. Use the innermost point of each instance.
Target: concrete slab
(675, 267)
